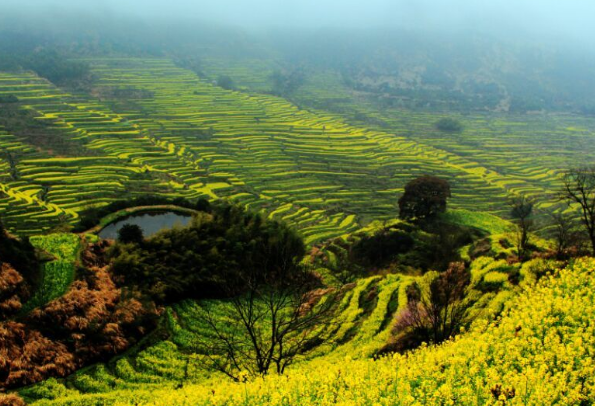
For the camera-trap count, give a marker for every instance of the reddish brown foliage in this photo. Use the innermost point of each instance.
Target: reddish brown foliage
(27, 356)
(11, 283)
(9, 278)
(11, 400)
(94, 255)
(93, 319)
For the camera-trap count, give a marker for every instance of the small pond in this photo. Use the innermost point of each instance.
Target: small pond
(150, 223)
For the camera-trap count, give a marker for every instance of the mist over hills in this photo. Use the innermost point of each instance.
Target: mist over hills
(461, 68)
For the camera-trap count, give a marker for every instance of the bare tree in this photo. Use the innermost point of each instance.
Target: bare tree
(565, 233)
(439, 313)
(522, 213)
(274, 313)
(343, 267)
(265, 328)
(579, 188)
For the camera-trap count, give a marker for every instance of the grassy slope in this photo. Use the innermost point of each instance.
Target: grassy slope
(57, 274)
(538, 353)
(365, 326)
(483, 221)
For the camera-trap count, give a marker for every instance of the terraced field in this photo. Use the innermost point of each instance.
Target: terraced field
(527, 152)
(284, 154)
(148, 126)
(247, 73)
(174, 362)
(518, 153)
(363, 324)
(42, 189)
(19, 201)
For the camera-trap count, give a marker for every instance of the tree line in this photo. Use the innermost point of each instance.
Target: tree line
(425, 198)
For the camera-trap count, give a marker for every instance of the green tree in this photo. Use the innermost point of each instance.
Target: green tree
(450, 125)
(225, 82)
(285, 83)
(209, 257)
(130, 233)
(11, 98)
(424, 198)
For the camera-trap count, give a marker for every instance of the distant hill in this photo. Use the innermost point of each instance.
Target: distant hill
(466, 71)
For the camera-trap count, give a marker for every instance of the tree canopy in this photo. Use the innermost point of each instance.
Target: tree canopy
(424, 197)
(225, 82)
(210, 257)
(130, 233)
(449, 124)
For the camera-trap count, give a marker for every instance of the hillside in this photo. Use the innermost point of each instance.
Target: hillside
(538, 353)
(262, 203)
(333, 171)
(183, 137)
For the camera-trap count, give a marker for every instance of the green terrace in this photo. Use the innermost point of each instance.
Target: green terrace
(153, 127)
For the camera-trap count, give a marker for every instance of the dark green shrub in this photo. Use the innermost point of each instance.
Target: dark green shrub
(450, 125)
(130, 234)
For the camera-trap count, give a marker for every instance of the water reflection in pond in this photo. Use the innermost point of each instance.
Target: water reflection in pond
(150, 223)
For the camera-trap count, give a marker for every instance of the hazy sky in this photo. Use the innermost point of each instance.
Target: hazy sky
(568, 19)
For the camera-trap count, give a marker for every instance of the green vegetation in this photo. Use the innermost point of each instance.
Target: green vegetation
(449, 124)
(225, 82)
(424, 198)
(396, 247)
(485, 222)
(285, 83)
(359, 330)
(210, 258)
(294, 283)
(309, 169)
(130, 234)
(58, 273)
(479, 368)
(11, 98)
